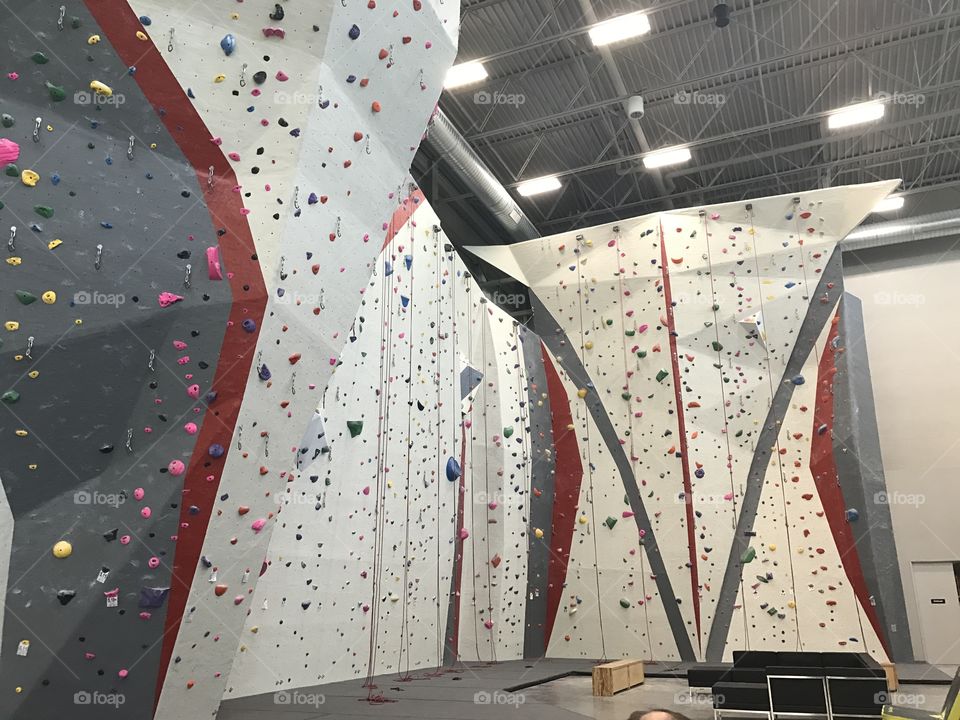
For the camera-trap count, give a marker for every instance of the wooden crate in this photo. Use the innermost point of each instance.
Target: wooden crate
(893, 682)
(612, 677)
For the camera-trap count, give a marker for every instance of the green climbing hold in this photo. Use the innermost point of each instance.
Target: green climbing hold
(609, 323)
(11, 170)
(355, 427)
(26, 298)
(716, 306)
(763, 579)
(43, 211)
(39, 58)
(739, 433)
(328, 482)
(631, 333)
(7, 120)
(610, 521)
(717, 346)
(771, 611)
(748, 555)
(641, 354)
(508, 431)
(57, 93)
(661, 375)
(624, 603)
(625, 395)
(10, 397)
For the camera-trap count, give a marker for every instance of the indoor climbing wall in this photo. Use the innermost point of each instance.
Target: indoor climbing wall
(688, 346)
(198, 194)
(369, 550)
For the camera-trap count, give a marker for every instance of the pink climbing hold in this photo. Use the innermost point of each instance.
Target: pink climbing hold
(282, 76)
(145, 513)
(488, 624)
(138, 493)
(123, 673)
(214, 272)
(191, 428)
(166, 299)
(194, 391)
(464, 534)
(235, 156)
(257, 525)
(176, 467)
(9, 151)
(124, 539)
(238, 599)
(154, 562)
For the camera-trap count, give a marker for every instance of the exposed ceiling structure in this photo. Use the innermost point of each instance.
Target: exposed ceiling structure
(750, 101)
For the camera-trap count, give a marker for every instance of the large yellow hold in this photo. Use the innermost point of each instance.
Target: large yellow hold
(29, 178)
(62, 549)
(100, 88)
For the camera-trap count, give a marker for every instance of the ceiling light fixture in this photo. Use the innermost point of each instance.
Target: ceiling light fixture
(620, 28)
(465, 74)
(538, 185)
(890, 204)
(667, 156)
(856, 114)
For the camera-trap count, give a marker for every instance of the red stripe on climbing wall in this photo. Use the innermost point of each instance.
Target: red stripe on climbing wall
(682, 429)
(403, 213)
(824, 468)
(120, 24)
(458, 555)
(568, 476)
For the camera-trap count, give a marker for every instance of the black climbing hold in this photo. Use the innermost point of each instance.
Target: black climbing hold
(277, 13)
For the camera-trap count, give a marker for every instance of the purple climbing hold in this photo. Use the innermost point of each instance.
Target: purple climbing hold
(249, 325)
(216, 450)
(264, 372)
(312, 199)
(354, 32)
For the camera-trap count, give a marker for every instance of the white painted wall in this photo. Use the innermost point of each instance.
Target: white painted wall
(910, 317)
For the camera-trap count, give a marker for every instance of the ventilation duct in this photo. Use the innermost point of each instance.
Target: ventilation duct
(447, 143)
(894, 232)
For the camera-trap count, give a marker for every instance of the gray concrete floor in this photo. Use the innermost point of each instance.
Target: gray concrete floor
(476, 692)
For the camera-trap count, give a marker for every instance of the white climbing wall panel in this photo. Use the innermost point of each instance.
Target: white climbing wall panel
(731, 287)
(321, 146)
(361, 562)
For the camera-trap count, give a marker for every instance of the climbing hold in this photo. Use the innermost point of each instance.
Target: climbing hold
(10, 397)
(166, 299)
(57, 93)
(25, 298)
(260, 77)
(101, 89)
(624, 603)
(277, 13)
(176, 467)
(354, 32)
(43, 211)
(228, 44)
(610, 521)
(356, 427)
(62, 549)
(748, 555)
(453, 469)
(852, 514)
(249, 325)
(507, 431)
(9, 151)
(661, 375)
(29, 178)
(39, 58)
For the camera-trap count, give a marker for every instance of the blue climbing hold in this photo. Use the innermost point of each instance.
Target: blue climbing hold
(216, 450)
(354, 32)
(229, 44)
(264, 372)
(312, 199)
(797, 380)
(453, 469)
(145, 20)
(404, 300)
(387, 268)
(249, 325)
(699, 472)
(852, 514)
(408, 261)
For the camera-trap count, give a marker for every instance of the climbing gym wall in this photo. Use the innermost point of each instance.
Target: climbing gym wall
(375, 544)
(696, 351)
(197, 194)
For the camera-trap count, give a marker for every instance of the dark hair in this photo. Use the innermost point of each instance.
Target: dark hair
(640, 714)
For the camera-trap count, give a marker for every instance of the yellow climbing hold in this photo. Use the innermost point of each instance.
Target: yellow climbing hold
(219, 78)
(773, 547)
(62, 549)
(49, 297)
(582, 520)
(32, 466)
(141, 35)
(21, 433)
(15, 260)
(100, 88)
(538, 532)
(49, 128)
(153, 146)
(93, 40)
(54, 244)
(78, 321)
(11, 325)
(582, 393)
(791, 604)
(29, 178)
(588, 344)
(33, 374)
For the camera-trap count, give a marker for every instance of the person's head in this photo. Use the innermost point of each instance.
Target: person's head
(657, 714)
